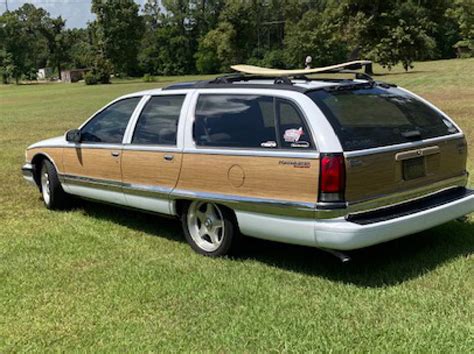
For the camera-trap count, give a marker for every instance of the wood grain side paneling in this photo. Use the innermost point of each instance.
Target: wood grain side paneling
(380, 174)
(292, 179)
(56, 154)
(94, 163)
(150, 168)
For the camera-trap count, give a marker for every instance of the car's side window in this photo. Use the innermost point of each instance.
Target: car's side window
(158, 123)
(109, 125)
(292, 128)
(237, 121)
(249, 121)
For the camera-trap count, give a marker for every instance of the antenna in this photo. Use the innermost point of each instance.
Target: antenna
(6, 5)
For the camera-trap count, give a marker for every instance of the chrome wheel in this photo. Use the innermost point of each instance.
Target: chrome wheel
(205, 223)
(45, 187)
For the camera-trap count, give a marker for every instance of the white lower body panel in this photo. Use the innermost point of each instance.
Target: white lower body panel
(340, 234)
(277, 228)
(153, 204)
(102, 195)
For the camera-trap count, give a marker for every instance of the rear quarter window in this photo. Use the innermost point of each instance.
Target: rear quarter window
(249, 121)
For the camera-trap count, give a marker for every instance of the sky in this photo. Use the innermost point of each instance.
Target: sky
(76, 12)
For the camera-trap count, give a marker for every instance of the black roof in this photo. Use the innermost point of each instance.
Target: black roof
(211, 84)
(279, 83)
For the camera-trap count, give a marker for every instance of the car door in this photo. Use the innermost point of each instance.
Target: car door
(92, 168)
(151, 160)
(253, 148)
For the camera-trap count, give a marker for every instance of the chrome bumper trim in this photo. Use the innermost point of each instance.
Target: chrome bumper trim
(406, 196)
(262, 205)
(116, 186)
(27, 171)
(341, 234)
(265, 205)
(109, 185)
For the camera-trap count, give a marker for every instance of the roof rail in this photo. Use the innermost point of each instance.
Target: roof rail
(231, 78)
(222, 83)
(284, 82)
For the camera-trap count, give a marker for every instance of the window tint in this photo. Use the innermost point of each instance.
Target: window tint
(366, 118)
(242, 121)
(292, 128)
(109, 125)
(158, 122)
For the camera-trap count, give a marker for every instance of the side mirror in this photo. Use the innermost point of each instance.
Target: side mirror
(73, 136)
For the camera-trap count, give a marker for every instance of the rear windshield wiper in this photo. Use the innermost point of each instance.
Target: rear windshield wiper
(349, 87)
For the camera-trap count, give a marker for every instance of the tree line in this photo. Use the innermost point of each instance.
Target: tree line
(175, 37)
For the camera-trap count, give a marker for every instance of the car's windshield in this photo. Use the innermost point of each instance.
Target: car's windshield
(374, 116)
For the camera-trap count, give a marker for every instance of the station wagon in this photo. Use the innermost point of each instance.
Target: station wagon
(337, 164)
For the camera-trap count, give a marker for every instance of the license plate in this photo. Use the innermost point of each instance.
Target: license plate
(413, 168)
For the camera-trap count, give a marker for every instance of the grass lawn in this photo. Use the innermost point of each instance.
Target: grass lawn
(100, 278)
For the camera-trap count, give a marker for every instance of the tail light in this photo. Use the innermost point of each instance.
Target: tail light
(332, 178)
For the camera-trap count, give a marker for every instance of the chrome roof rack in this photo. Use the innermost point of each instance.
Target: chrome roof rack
(242, 80)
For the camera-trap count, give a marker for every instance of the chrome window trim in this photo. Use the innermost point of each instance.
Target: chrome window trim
(256, 153)
(137, 95)
(396, 147)
(155, 148)
(323, 134)
(182, 116)
(81, 146)
(94, 146)
(292, 101)
(127, 136)
(432, 106)
(306, 122)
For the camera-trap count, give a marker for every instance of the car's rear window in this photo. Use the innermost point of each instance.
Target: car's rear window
(365, 118)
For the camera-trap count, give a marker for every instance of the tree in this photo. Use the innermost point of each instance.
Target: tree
(204, 15)
(57, 41)
(119, 29)
(217, 50)
(315, 35)
(81, 52)
(23, 49)
(175, 34)
(463, 13)
(152, 14)
(388, 32)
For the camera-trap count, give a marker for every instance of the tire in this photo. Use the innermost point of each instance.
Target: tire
(210, 229)
(54, 197)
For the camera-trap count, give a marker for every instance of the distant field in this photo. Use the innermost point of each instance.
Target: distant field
(99, 278)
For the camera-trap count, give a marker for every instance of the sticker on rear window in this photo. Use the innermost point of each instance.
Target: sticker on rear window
(293, 135)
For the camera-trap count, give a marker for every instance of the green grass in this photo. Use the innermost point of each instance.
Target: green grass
(99, 278)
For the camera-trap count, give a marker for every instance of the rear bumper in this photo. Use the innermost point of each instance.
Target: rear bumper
(27, 171)
(348, 233)
(342, 234)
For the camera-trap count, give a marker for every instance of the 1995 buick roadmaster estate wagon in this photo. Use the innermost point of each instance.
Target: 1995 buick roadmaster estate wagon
(337, 164)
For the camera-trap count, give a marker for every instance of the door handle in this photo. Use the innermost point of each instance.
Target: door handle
(431, 150)
(168, 157)
(115, 153)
